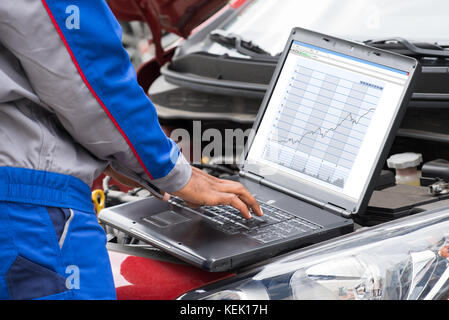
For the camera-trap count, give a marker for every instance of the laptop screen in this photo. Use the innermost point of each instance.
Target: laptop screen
(327, 119)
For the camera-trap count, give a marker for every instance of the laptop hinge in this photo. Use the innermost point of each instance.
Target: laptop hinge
(251, 176)
(338, 210)
(326, 206)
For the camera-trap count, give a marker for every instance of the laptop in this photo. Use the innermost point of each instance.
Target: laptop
(323, 132)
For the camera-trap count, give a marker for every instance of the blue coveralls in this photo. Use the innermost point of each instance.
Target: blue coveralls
(70, 105)
(51, 245)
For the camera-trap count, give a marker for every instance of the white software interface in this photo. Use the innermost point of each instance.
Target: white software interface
(327, 118)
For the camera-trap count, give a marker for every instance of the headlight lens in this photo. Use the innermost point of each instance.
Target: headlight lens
(405, 259)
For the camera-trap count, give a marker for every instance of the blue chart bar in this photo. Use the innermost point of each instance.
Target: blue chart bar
(322, 121)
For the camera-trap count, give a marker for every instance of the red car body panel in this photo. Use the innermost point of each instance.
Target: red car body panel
(138, 278)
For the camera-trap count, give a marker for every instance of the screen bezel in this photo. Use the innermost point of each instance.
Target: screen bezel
(353, 49)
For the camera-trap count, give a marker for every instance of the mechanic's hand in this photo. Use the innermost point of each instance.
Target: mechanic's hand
(204, 189)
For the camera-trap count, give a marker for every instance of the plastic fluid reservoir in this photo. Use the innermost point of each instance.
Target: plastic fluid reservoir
(406, 166)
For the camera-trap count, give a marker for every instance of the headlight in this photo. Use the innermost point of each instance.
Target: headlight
(405, 259)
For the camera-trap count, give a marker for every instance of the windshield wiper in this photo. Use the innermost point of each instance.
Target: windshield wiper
(421, 49)
(244, 47)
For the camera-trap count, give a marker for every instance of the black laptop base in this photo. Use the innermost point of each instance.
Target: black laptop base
(201, 242)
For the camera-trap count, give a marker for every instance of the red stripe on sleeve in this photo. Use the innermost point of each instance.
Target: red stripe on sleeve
(86, 82)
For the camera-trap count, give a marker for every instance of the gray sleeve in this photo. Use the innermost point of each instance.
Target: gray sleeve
(28, 32)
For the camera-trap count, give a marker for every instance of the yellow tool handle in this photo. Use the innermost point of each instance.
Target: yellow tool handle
(98, 199)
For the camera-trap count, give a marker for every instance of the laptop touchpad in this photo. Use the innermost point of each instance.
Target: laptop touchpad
(166, 218)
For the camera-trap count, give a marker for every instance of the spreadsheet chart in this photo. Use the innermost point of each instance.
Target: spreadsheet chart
(327, 117)
(321, 122)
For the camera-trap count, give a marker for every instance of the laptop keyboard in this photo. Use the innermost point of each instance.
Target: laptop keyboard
(275, 224)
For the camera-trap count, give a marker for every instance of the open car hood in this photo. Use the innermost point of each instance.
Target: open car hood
(175, 16)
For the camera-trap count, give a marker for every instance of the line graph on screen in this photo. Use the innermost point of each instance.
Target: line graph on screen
(321, 123)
